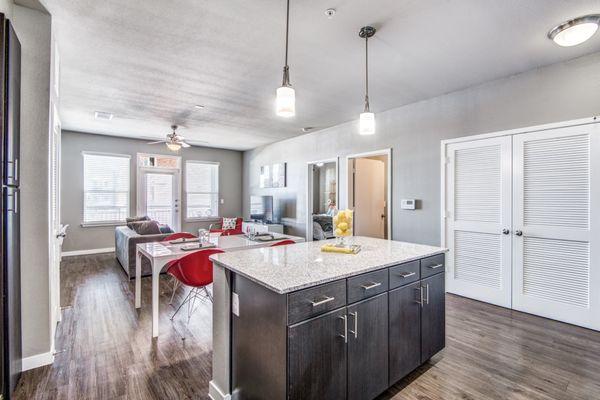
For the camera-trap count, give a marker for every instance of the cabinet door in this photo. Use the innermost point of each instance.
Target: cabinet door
(404, 331)
(317, 357)
(556, 217)
(368, 348)
(433, 317)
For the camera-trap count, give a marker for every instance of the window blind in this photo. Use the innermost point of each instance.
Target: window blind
(202, 189)
(105, 188)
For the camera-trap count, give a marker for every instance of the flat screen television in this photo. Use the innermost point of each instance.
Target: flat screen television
(261, 208)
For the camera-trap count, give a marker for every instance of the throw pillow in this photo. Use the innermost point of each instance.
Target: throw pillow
(165, 229)
(137, 219)
(228, 223)
(145, 227)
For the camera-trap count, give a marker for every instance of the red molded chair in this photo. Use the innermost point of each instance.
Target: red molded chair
(283, 243)
(194, 270)
(170, 238)
(179, 235)
(219, 228)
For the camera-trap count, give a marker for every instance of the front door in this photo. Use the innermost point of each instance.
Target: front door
(160, 197)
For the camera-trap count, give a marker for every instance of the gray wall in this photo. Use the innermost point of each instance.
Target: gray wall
(73, 143)
(559, 92)
(33, 29)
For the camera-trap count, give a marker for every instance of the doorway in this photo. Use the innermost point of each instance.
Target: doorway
(321, 199)
(369, 193)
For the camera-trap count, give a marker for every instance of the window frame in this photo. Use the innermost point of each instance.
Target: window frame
(85, 223)
(186, 192)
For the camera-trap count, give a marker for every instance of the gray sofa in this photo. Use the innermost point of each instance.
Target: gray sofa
(125, 241)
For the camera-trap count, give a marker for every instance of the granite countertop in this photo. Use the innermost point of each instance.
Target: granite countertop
(285, 269)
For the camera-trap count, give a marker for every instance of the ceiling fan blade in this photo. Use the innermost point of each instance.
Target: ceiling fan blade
(184, 144)
(157, 142)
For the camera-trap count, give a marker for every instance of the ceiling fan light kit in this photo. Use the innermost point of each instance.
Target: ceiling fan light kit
(174, 141)
(285, 105)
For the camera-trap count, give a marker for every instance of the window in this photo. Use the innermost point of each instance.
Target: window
(105, 188)
(201, 189)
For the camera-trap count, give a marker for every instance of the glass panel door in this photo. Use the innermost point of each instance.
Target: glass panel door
(161, 195)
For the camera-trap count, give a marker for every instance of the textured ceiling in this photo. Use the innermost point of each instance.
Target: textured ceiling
(150, 62)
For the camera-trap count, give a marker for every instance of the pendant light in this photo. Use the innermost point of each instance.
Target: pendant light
(286, 95)
(367, 118)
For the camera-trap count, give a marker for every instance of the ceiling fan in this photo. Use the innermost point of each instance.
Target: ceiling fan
(174, 141)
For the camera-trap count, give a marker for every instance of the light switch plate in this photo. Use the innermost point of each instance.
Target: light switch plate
(222, 201)
(235, 304)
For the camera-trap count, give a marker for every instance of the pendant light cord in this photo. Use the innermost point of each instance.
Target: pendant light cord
(286, 68)
(367, 108)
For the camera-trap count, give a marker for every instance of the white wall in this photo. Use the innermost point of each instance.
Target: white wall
(559, 92)
(33, 29)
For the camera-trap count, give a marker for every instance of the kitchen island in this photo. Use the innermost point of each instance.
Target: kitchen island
(293, 322)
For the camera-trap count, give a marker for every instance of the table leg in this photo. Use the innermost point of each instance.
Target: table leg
(156, 267)
(138, 279)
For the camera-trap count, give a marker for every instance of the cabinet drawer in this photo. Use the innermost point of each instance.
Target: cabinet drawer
(433, 265)
(307, 303)
(367, 285)
(404, 274)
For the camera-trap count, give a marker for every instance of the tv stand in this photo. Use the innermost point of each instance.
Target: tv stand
(259, 227)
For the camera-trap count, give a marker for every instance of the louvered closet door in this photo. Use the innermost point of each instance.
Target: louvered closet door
(478, 198)
(556, 207)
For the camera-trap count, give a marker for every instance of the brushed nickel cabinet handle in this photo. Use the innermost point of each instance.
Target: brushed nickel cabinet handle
(427, 293)
(420, 301)
(323, 301)
(371, 285)
(436, 266)
(355, 331)
(345, 334)
(407, 274)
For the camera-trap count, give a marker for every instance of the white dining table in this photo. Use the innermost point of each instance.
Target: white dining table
(160, 253)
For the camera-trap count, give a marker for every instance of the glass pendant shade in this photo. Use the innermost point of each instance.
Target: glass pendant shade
(286, 101)
(173, 146)
(367, 123)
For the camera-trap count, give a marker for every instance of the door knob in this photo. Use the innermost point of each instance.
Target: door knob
(519, 233)
(505, 231)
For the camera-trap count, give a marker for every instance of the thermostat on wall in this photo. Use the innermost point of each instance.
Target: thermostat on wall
(408, 204)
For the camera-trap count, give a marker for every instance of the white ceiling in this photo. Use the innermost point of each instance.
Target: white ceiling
(150, 62)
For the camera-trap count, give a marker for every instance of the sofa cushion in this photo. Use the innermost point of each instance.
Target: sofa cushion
(137, 219)
(165, 228)
(228, 223)
(145, 227)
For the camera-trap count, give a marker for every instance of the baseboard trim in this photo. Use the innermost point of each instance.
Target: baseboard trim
(215, 393)
(86, 252)
(39, 360)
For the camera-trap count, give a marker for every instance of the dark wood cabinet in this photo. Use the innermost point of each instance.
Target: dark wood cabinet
(317, 357)
(368, 348)
(404, 330)
(433, 316)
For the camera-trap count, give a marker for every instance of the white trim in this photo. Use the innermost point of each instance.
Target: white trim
(87, 252)
(215, 393)
(36, 361)
(535, 128)
(309, 192)
(99, 153)
(383, 152)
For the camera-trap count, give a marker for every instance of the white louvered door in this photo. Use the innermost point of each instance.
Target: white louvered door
(478, 219)
(556, 216)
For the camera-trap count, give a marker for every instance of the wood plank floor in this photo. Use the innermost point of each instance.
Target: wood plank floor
(107, 352)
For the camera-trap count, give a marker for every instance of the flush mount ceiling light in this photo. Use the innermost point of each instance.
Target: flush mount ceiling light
(575, 31)
(285, 105)
(367, 118)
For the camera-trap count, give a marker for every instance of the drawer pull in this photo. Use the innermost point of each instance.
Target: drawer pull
(322, 301)
(436, 266)
(371, 285)
(407, 274)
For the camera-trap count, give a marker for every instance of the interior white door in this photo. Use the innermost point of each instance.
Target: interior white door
(557, 224)
(57, 231)
(478, 219)
(369, 198)
(160, 197)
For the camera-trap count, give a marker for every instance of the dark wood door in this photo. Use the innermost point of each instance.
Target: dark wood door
(12, 104)
(433, 316)
(404, 331)
(367, 348)
(317, 358)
